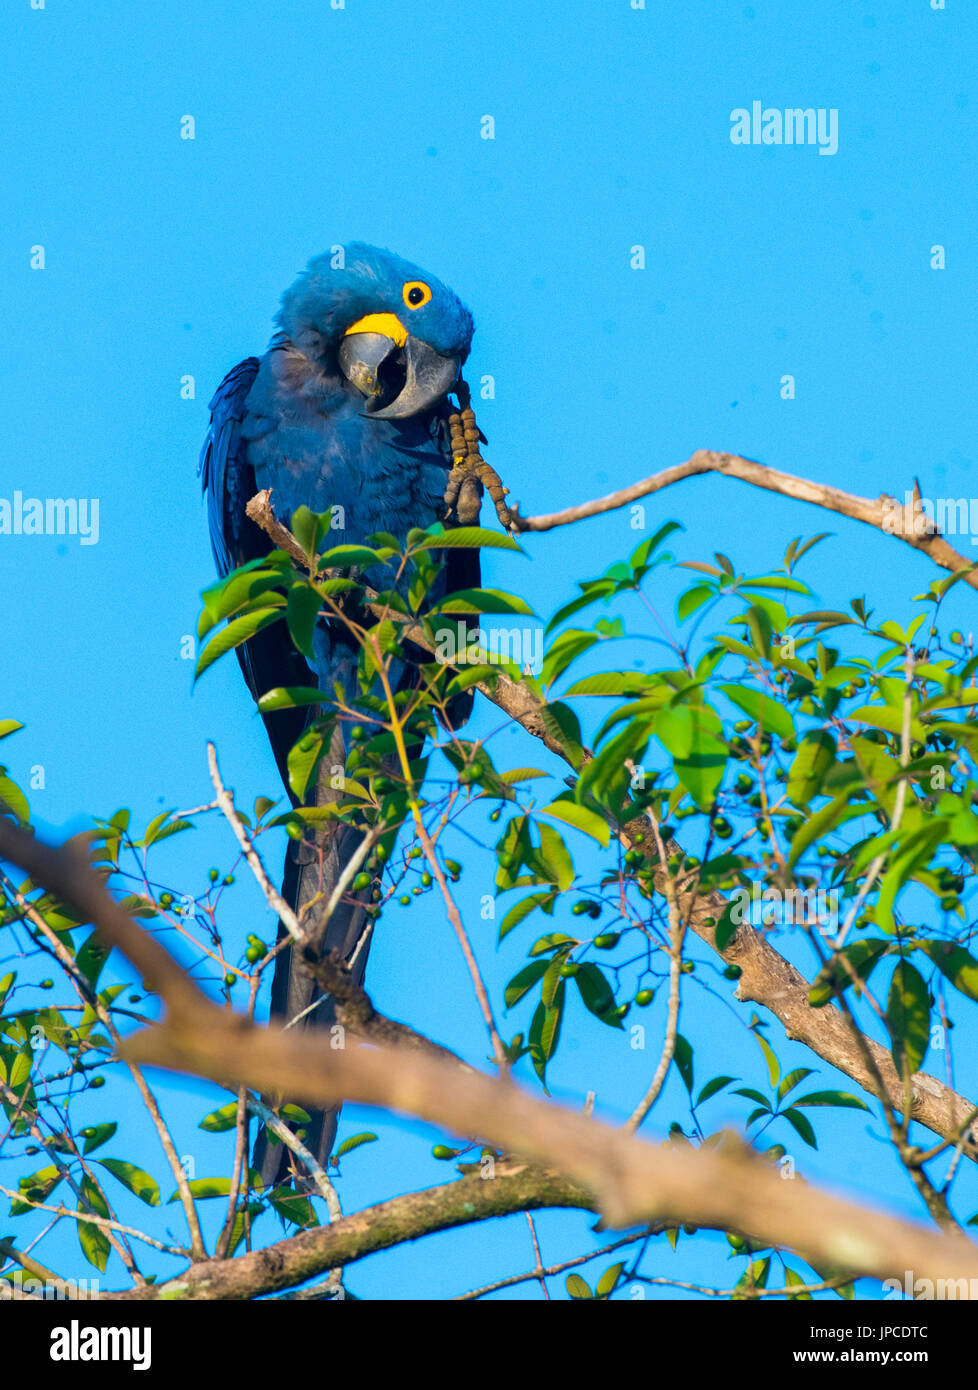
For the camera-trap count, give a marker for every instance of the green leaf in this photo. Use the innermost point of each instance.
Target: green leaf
(239, 590)
(769, 715)
(577, 1288)
(524, 981)
(482, 601)
(544, 1033)
(354, 1142)
(630, 683)
(580, 818)
(816, 754)
(101, 1134)
(683, 1058)
(802, 1126)
(9, 726)
(13, 801)
(839, 1098)
(725, 928)
(291, 697)
(343, 557)
(773, 1066)
(234, 634)
(862, 955)
(552, 978)
(793, 1079)
(955, 964)
(693, 599)
(642, 553)
(815, 826)
(220, 1120)
(522, 909)
(594, 591)
(908, 1018)
(793, 1281)
(563, 725)
(301, 613)
(551, 942)
(759, 626)
(755, 1276)
(309, 528)
(91, 958)
(138, 1182)
(554, 858)
(596, 994)
(778, 581)
(92, 1239)
(304, 758)
(35, 1187)
(521, 774)
(469, 538)
(711, 1088)
(606, 1284)
(674, 727)
(564, 650)
(693, 735)
(888, 718)
(240, 1228)
(205, 1187)
(294, 1207)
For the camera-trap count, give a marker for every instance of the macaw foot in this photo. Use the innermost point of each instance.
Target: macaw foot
(470, 472)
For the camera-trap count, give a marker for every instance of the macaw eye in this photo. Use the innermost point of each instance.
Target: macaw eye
(416, 293)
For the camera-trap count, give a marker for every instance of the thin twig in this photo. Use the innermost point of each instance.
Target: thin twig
(225, 799)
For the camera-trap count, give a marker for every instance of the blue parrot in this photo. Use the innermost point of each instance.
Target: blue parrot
(346, 412)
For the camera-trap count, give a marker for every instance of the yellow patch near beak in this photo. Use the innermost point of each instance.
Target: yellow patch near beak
(388, 324)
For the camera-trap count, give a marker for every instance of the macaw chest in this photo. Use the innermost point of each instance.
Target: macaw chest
(368, 475)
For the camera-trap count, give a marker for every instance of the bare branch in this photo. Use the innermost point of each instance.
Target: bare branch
(225, 799)
(909, 524)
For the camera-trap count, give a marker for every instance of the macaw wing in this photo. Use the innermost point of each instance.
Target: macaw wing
(228, 481)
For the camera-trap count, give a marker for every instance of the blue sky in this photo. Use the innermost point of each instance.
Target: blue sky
(166, 257)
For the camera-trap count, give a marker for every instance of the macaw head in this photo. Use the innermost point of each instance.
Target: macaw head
(396, 333)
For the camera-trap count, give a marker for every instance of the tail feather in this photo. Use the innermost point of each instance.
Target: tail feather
(313, 867)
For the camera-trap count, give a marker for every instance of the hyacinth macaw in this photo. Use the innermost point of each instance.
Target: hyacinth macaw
(346, 410)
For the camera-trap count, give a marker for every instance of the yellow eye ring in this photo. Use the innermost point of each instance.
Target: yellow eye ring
(415, 293)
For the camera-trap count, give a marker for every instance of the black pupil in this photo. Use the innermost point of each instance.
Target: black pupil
(415, 295)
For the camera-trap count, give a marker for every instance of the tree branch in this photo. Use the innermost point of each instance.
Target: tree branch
(631, 1182)
(766, 977)
(909, 524)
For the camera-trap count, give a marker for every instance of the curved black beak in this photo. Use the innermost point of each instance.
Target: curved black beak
(365, 359)
(361, 357)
